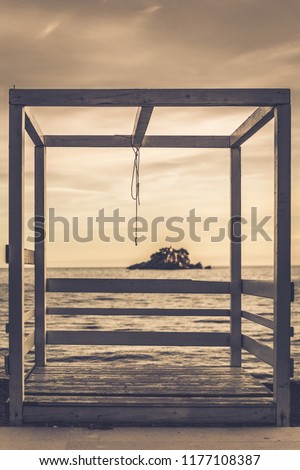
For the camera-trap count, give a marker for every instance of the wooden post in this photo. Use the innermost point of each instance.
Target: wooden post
(235, 259)
(16, 263)
(282, 276)
(40, 255)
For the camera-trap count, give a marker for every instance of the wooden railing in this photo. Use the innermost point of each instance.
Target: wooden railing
(265, 289)
(138, 286)
(141, 338)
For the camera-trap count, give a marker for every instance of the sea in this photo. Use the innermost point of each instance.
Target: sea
(145, 355)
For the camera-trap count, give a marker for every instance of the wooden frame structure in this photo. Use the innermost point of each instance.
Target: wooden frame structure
(272, 103)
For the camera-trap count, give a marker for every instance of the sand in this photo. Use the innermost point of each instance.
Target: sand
(149, 438)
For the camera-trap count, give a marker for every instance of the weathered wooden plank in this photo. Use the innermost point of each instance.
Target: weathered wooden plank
(259, 350)
(97, 400)
(145, 389)
(152, 141)
(151, 97)
(135, 381)
(282, 263)
(16, 262)
(140, 338)
(171, 386)
(40, 255)
(141, 123)
(28, 343)
(235, 258)
(79, 368)
(256, 121)
(258, 288)
(258, 319)
(139, 286)
(33, 129)
(165, 312)
(161, 415)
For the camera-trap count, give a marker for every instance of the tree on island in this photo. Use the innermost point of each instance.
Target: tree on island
(168, 258)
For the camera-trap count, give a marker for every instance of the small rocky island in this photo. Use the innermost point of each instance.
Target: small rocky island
(169, 258)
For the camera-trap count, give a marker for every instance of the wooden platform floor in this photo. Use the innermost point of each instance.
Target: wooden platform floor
(146, 395)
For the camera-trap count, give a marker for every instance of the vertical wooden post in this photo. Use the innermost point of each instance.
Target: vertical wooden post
(40, 255)
(235, 258)
(16, 263)
(282, 275)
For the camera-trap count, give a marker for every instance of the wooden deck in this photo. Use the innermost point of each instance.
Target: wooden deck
(153, 395)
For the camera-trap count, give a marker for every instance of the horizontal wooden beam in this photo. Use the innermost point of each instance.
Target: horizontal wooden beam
(138, 286)
(28, 343)
(157, 312)
(136, 338)
(142, 120)
(164, 413)
(256, 121)
(258, 288)
(259, 350)
(28, 255)
(151, 97)
(151, 141)
(258, 319)
(33, 130)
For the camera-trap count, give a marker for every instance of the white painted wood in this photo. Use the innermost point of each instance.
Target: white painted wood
(136, 338)
(152, 141)
(260, 320)
(256, 121)
(40, 256)
(282, 259)
(151, 97)
(259, 350)
(142, 120)
(182, 312)
(28, 343)
(258, 288)
(33, 129)
(139, 286)
(16, 263)
(235, 258)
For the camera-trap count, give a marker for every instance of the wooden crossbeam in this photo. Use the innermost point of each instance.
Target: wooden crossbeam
(136, 338)
(33, 130)
(164, 312)
(151, 97)
(258, 288)
(259, 350)
(258, 319)
(29, 343)
(142, 120)
(138, 286)
(154, 141)
(256, 121)
(28, 315)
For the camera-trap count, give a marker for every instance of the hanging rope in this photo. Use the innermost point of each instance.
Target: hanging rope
(135, 186)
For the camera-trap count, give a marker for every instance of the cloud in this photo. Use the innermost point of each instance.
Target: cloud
(146, 43)
(49, 29)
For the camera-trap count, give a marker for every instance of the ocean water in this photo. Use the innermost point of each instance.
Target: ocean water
(121, 355)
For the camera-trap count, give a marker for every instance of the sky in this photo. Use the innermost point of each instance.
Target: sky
(150, 44)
